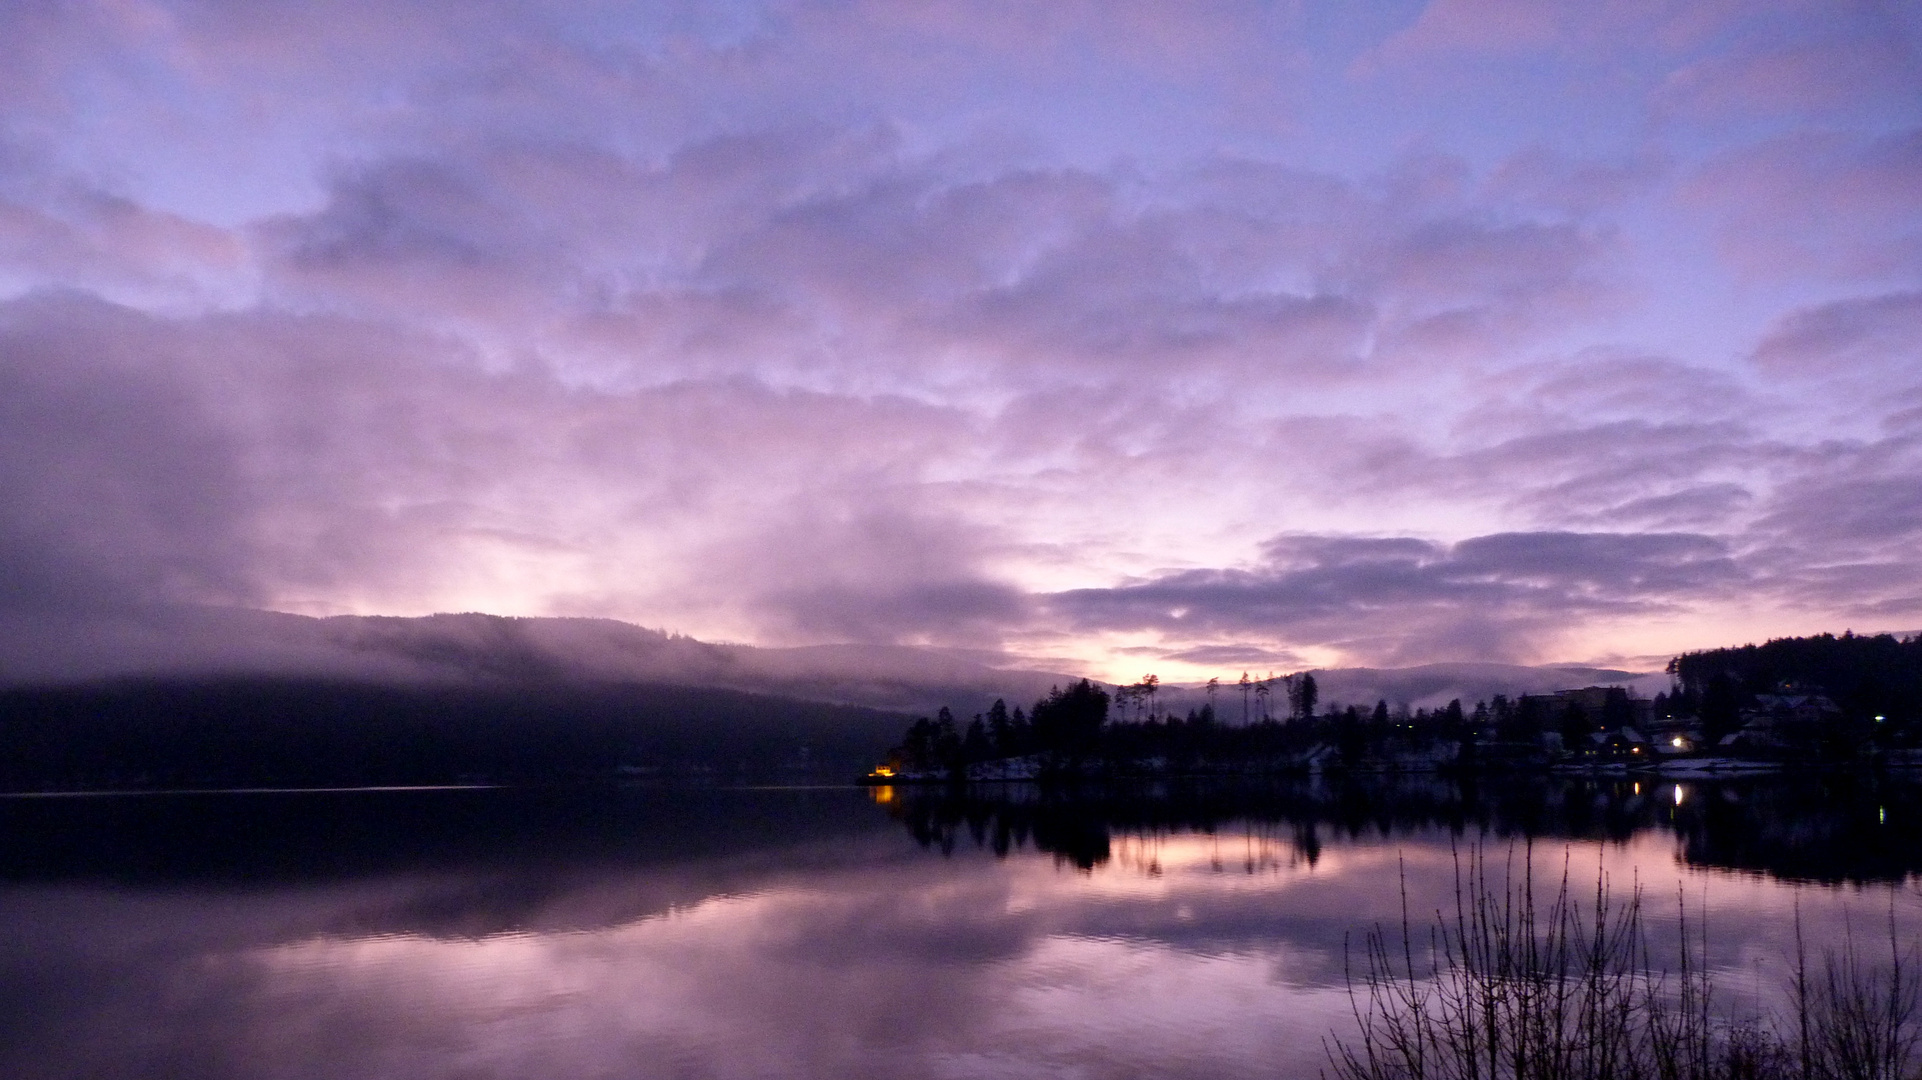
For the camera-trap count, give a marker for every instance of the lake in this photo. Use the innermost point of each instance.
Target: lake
(654, 932)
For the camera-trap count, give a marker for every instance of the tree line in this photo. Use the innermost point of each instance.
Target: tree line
(1865, 675)
(1875, 681)
(1084, 722)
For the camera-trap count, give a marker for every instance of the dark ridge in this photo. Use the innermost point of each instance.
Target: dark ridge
(295, 732)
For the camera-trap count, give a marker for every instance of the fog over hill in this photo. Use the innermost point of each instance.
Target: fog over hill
(487, 649)
(1434, 684)
(490, 649)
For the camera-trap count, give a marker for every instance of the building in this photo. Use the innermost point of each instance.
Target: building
(1598, 706)
(1794, 715)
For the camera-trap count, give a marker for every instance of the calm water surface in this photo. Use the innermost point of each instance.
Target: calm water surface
(839, 933)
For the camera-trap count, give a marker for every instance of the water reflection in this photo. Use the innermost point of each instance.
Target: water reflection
(821, 933)
(1830, 828)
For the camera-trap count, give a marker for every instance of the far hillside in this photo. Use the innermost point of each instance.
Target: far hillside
(293, 732)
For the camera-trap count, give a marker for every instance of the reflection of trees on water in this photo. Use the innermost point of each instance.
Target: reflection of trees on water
(1830, 828)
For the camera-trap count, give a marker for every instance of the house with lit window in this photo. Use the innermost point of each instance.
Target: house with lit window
(1624, 745)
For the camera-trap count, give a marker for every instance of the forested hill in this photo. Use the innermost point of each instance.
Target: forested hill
(260, 731)
(1865, 675)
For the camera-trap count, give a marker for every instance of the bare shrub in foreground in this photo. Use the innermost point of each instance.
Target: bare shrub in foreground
(1857, 1021)
(1509, 988)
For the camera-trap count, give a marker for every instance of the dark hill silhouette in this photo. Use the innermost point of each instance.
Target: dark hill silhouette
(262, 731)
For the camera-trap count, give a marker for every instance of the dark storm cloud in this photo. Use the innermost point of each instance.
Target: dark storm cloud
(1487, 594)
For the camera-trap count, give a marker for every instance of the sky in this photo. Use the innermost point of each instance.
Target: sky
(1187, 338)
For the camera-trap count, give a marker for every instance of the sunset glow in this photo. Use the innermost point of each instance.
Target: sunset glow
(1131, 336)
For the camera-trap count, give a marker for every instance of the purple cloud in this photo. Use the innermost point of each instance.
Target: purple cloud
(1488, 595)
(971, 323)
(1878, 335)
(1819, 201)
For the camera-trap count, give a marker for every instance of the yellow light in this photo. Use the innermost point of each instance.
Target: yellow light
(882, 770)
(1678, 794)
(1678, 742)
(883, 793)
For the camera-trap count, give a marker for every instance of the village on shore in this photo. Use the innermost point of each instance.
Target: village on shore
(1729, 712)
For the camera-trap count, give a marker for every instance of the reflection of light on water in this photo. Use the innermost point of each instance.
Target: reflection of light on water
(1171, 958)
(1084, 1005)
(1227, 863)
(883, 793)
(1247, 853)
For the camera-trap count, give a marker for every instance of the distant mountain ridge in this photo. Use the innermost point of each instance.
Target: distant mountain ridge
(473, 648)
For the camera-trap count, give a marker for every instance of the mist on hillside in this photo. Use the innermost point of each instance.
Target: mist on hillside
(477, 649)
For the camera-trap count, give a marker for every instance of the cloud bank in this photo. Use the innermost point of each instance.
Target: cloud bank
(1114, 334)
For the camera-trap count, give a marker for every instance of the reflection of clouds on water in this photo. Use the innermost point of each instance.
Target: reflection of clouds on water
(918, 963)
(1185, 953)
